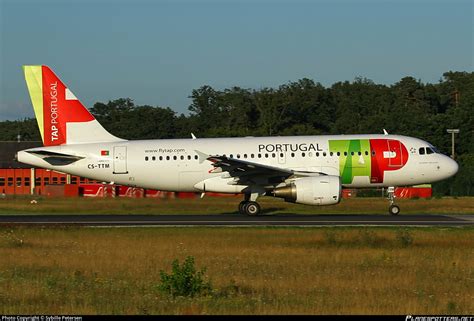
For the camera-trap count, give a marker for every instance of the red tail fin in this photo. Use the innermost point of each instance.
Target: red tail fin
(61, 117)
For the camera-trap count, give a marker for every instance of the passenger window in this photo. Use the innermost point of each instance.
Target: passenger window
(266, 155)
(245, 155)
(174, 157)
(338, 153)
(366, 153)
(146, 158)
(303, 154)
(259, 155)
(153, 158)
(252, 155)
(345, 153)
(359, 153)
(422, 151)
(167, 158)
(273, 155)
(373, 152)
(324, 154)
(281, 155)
(161, 158)
(196, 157)
(189, 157)
(331, 153)
(292, 154)
(317, 154)
(181, 157)
(352, 153)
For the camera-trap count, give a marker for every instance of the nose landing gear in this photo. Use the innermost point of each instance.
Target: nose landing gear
(392, 209)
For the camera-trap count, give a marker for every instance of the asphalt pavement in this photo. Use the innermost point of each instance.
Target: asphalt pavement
(239, 220)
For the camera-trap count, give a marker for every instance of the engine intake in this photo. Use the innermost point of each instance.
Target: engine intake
(320, 190)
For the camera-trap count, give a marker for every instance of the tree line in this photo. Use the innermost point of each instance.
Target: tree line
(305, 107)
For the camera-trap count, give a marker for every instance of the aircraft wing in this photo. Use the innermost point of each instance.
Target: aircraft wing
(247, 173)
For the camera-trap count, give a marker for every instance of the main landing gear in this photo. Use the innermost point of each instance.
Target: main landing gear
(392, 209)
(249, 206)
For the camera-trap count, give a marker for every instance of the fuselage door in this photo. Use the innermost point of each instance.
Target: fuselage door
(120, 160)
(394, 153)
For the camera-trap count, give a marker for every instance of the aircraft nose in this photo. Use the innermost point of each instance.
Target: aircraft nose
(451, 167)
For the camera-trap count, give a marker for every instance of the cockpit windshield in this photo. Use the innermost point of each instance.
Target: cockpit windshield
(434, 149)
(428, 150)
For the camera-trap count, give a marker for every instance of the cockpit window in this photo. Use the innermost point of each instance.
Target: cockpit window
(434, 149)
(427, 150)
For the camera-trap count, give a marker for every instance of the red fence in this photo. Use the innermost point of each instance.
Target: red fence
(50, 183)
(21, 181)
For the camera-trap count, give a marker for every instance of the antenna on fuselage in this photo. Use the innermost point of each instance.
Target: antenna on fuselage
(385, 132)
(192, 136)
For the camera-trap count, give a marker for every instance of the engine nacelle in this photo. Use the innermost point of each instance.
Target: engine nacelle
(319, 190)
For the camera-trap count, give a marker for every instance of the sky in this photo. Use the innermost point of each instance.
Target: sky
(157, 52)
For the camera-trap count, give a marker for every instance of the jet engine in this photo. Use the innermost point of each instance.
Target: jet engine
(318, 190)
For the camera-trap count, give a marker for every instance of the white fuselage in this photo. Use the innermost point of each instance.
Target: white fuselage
(175, 165)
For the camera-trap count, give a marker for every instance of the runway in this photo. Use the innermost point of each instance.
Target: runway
(238, 220)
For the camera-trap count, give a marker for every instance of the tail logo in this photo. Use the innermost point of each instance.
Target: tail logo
(54, 104)
(54, 111)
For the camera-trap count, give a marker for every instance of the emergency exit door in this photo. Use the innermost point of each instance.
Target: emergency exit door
(120, 160)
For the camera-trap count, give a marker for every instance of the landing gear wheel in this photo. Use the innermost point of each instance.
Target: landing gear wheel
(394, 209)
(242, 207)
(252, 208)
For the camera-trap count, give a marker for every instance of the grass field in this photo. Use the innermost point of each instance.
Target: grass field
(226, 205)
(330, 270)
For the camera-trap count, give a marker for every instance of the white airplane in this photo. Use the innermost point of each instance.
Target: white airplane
(301, 169)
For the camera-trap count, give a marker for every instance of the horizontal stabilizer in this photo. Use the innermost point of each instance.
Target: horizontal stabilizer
(56, 159)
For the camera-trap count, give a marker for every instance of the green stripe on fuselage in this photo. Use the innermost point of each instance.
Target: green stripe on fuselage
(352, 165)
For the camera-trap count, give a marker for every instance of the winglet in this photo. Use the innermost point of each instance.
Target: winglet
(385, 132)
(202, 156)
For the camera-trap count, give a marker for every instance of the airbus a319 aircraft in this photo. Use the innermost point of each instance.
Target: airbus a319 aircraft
(308, 170)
